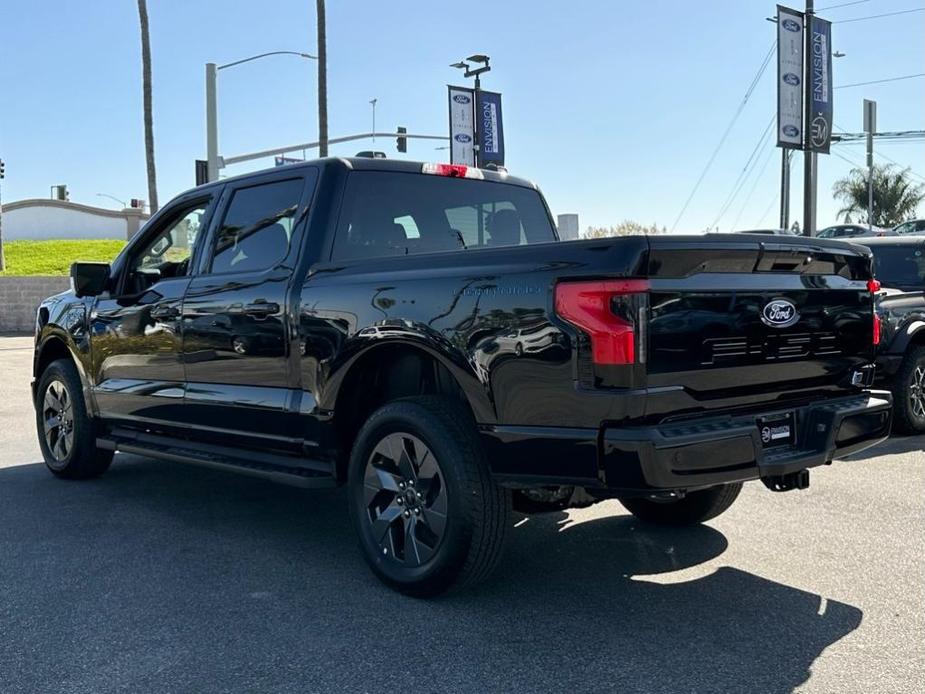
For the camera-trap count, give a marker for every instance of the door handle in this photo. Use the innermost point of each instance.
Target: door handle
(164, 312)
(261, 308)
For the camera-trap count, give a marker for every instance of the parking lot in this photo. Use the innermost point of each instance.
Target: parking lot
(161, 577)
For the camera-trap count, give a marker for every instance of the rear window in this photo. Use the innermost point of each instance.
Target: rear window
(386, 213)
(899, 266)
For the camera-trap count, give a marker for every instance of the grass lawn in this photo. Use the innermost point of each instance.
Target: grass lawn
(54, 257)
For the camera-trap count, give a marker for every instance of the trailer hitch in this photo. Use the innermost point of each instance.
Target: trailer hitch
(785, 483)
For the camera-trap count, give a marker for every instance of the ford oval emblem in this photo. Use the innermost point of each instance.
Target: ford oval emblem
(779, 313)
(791, 130)
(462, 137)
(461, 99)
(790, 25)
(791, 79)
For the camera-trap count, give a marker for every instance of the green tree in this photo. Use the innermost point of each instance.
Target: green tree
(625, 228)
(896, 197)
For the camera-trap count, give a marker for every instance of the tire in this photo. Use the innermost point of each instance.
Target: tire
(695, 507)
(67, 435)
(909, 393)
(447, 531)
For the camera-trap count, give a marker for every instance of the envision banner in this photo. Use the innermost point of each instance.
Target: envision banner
(490, 128)
(820, 82)
(462, 126)
(789, 78)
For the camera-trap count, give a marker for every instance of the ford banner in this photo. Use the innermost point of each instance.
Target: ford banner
(490, 128)
(462, 126)
(789, 78)
(820, 83)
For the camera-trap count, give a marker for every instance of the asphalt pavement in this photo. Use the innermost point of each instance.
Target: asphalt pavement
(160, 577)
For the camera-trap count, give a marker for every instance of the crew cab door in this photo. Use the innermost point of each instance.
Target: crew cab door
(135, 326)
(237, 336)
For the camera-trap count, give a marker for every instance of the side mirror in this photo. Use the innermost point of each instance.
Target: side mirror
(89, 279)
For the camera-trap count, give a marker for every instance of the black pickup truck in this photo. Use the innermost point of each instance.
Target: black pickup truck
(417, 333)
(899, 265)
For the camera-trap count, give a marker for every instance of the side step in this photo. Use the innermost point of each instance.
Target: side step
(298, 472)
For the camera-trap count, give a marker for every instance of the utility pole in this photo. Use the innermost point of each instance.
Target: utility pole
(870, 127)
(785, 188)
(809, 156)
(211, 123)
(322, 82)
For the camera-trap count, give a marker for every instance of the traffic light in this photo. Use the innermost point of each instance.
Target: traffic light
(402, 142)
(2, 169)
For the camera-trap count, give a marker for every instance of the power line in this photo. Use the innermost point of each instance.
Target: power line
(878, 16)
(722, 140)
(888, 79)
(844, 4)
(743, 174)
(751, 192)
(767, 209)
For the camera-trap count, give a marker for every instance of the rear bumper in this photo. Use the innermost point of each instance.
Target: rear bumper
(690, 454)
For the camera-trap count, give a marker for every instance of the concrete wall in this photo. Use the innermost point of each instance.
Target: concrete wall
(21, 296)
(57, 219)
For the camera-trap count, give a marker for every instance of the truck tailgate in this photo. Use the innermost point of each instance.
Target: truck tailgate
(733, 315)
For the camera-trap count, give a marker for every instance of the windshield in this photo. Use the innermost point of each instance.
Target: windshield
(386, 213)
(900, 266)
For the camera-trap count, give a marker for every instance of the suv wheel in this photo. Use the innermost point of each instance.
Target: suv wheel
(691, 509)
(909, 393)
(67, 435)
(428, 516)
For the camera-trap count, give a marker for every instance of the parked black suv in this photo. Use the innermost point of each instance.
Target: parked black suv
(417, 333)
(899, 265)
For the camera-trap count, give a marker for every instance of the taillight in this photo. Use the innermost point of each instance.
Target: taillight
(590, 306)
(873, 286)
(452, 170)
(877, 325)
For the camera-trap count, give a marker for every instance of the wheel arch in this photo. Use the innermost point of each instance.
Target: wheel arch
(392, 370)
(912, 334)
(53, 346)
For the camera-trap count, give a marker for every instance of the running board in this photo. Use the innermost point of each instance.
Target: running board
(298, 472)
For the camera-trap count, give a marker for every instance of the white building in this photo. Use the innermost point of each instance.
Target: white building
(568, 226)
(59, 219)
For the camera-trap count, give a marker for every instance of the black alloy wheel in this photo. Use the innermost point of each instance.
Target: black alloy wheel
(405, 499)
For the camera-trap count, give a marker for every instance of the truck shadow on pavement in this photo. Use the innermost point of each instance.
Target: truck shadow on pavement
(165, 577)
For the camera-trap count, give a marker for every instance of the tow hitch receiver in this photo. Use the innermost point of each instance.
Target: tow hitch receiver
(785, 483)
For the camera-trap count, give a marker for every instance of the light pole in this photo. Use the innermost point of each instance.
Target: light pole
(212, 69)
(372, 102)
(112, 197)
(469, 71)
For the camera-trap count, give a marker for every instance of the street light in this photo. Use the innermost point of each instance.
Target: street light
(112, 197)
(212, 105)
(469, 71)
(372, 102)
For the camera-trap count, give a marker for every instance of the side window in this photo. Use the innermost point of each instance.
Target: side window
(257, 228)
(167, 253)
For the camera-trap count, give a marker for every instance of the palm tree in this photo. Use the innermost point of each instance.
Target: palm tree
(322, 82)
(895, 196)
(146, 91)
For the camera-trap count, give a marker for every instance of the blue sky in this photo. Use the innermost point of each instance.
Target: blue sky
(612, 107)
